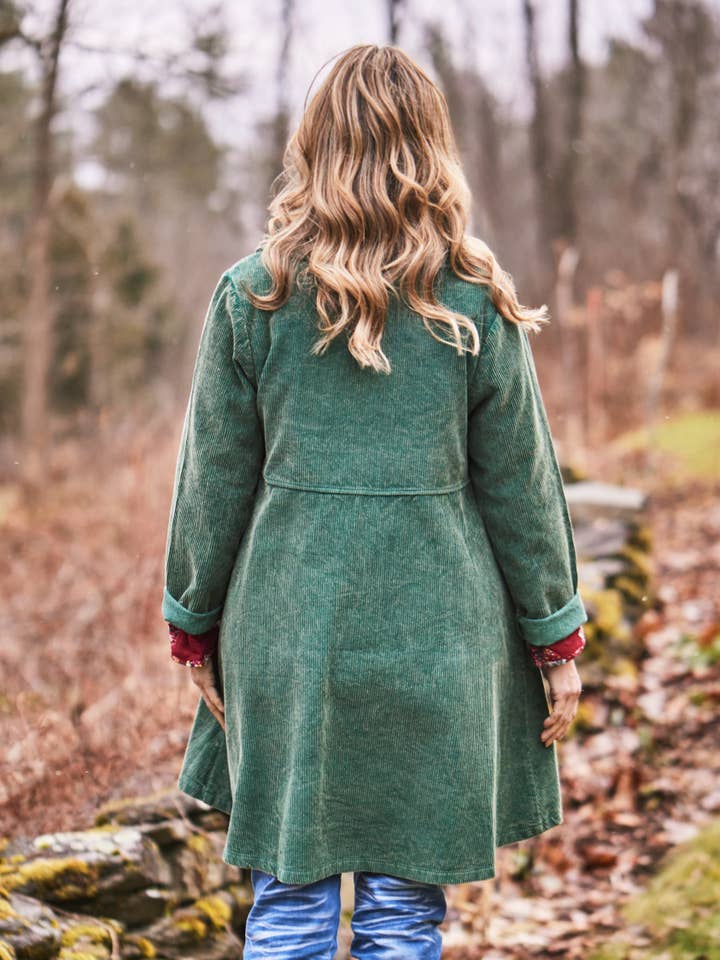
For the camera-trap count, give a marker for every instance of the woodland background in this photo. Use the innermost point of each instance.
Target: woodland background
(596, 183)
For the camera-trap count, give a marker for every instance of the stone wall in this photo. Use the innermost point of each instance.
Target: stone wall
(147, 880)
(615, 573)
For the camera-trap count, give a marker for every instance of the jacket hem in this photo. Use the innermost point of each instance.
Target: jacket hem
(234, 856)
(201, 791)
(393, 868)
(557, 626)
(367, 491)
(483, 871)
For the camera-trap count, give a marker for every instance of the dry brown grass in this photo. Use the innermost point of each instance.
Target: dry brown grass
(91, 703)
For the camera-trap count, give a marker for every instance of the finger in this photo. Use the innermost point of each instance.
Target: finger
(212, 694)
(556, 734)
(557, 713)
(564, 719)
(556, 722)
(548, 736)
(566, 714)
(215, 712)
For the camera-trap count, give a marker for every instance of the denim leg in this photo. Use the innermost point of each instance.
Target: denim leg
(292, 920)
(396, 919)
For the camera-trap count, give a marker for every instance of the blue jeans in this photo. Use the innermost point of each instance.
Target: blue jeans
(393, 919)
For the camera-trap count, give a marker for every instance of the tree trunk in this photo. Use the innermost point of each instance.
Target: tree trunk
(565, 199)
(394, 9)
(540, 153)
(38, 327)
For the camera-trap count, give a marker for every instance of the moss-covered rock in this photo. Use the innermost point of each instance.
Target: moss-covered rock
(155, 807)
(216, 909)
(80, 866)
(54, 879)
(94, 933)
(198, 866)
(137, 947)
(204, 929)
(29, 930)
(615, 571)
(158, 889)
(678, 912)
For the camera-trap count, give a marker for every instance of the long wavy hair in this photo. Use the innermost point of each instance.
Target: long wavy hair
(372, 201)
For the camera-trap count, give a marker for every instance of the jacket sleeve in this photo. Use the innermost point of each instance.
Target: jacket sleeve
(518, 486)
(218, 467)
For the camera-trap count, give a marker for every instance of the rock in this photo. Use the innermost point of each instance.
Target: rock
(198, 865)
(78, 865)
(167, 832)
(28, 929)
(135, 909)
(589, 498)
(202, 930)
(126, 888)
(154, 808)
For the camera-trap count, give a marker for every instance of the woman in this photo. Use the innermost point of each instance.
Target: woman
(369, 553)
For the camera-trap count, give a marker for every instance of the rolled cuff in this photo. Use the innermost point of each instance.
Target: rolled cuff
(174, 612)
(558, 625)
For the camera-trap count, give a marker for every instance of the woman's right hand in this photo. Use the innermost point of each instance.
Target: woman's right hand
(205, 678)
(565, 689)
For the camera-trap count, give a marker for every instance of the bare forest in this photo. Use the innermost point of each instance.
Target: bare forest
(596, 183)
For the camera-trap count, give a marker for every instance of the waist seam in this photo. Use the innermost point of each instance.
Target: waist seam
(366, 491)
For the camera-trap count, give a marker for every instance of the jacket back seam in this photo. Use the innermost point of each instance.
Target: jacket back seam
(367, 491)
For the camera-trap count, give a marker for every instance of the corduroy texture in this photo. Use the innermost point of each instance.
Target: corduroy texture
(380, 548)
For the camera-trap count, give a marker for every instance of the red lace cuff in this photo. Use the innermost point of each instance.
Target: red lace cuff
(193, 650)
(559, 652)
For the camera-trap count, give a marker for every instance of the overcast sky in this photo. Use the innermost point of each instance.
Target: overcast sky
(492, 37)
(487, 33)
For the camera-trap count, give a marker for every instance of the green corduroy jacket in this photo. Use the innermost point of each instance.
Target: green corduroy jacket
(378, 550)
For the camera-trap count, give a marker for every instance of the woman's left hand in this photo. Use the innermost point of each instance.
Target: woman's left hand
(205, 678)
(565, 690)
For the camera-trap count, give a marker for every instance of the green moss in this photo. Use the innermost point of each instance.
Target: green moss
(65, 878)
(216, 910)
(146, 948)
(6, 910)
(631, 589)
(642, 538)
(194, 925)
(7, 865)
(90, 931)
(641, 562)
(82, 955)
(607, 610)
(199, 843)
(678, 910)
(611, 951)
(120, 805)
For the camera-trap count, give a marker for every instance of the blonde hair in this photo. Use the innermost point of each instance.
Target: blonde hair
(373, 198)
